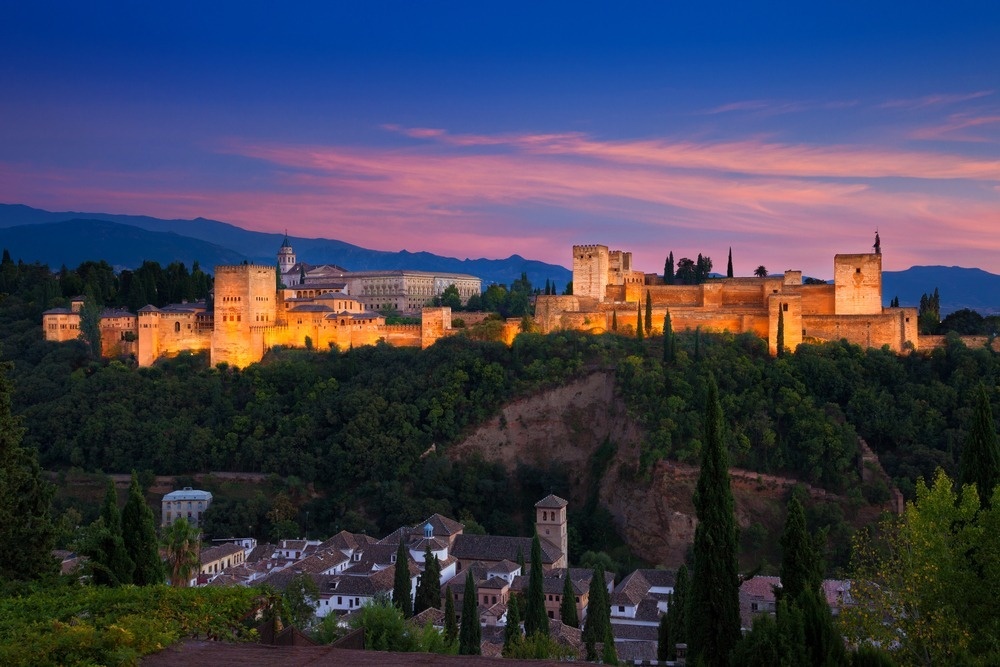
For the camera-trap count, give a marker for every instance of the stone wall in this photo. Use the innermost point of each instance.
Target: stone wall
(858, 282)
(590, 270)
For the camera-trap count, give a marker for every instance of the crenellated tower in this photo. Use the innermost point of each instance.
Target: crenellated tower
(245, 305)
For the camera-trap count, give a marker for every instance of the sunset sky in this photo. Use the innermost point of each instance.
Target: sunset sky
(475, 129)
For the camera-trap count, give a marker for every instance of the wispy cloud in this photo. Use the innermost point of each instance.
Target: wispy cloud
(963, 127)
(940, 99)
(779, 107)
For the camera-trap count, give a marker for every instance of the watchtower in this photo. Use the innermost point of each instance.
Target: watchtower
(552, 526)
(245, 303)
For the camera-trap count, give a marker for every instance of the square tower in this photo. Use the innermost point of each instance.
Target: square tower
(245, 304)
(552, 526)
(591, 264)
(858, 284)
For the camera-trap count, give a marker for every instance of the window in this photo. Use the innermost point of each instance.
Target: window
(177, 327)
(621, 608)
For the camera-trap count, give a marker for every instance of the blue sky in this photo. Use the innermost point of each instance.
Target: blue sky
(484, 129)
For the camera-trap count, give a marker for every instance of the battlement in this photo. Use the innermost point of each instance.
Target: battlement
(577, 249)
(243, 268)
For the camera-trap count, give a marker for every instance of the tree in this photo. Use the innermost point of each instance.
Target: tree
(979, 464)
(663, 639)
(677, 613)
(649, 314)
(608, 654)
(183, 551)
(512, 632)
(729, 267)
(686, 271)
(638, 324)
(90, 325)
(385, 627)
(429, 587)
(109, 562)
(668, 269)
(760, 271)
(469, 636)
(450, 298)
(780, 338)
(299, 600)
(139, 531)
(450, 624)
(703, 268)
(714, 626)
(614, 320)
(800, 567)
(401, 581)
(26, 528)
(669, 345)
(567, 607)
(926, 582)
(535, 618)
(597, 625)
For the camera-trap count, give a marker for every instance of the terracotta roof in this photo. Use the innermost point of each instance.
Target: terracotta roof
(320, 561)
(760, 588)
(430, 615)
(551, 502)
(633, 632)
(495, 548)
(631, 590)
(261, 552)
(504, 567)
(221, 551)
(442, 525)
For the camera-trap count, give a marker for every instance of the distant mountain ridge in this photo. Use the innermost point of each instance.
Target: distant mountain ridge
(70, 238)
(27, 233)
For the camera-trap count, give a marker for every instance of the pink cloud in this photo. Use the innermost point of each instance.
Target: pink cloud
(959, 127)
(933, 100)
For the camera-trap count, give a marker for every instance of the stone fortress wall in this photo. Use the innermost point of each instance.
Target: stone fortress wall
(850, 308)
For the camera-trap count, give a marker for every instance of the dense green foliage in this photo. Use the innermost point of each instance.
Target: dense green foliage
(429, 586)
(980, 459)
(141, 541)
(73, 625)
(535, 619)
(470, 632)
(714, 623)
(401, 581)
(567, 606)
(387, 630)
(597, 625)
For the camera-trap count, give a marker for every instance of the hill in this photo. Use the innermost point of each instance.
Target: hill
(959, 287)
(243, 245)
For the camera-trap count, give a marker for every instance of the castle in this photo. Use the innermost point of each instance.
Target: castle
(326, 306)
(312, 307)
(607, 291)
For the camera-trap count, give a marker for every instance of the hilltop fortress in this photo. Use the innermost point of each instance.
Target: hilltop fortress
(313, 307)
(607, 290)
(322, 307)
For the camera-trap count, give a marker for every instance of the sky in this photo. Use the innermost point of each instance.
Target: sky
(483, 129)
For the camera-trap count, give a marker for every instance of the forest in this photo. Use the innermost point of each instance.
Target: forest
(357, 427)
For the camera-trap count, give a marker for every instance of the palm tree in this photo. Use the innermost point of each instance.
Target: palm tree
(183, 551)
(760, 271)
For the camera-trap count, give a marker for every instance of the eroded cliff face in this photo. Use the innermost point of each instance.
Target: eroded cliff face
(653, 513)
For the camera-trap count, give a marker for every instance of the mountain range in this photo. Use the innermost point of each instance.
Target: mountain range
(125, 241)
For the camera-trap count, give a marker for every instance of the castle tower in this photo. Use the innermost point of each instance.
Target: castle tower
(591, 264)
(551, 525)
(245, 304)
(286, 256)
(858, 284)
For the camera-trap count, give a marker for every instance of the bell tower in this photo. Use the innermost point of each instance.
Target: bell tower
(286, 256)
(552, 526)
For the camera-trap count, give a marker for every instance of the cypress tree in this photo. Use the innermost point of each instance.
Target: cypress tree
(714, 624)
(663, 639)
(638, 324)
(729, 268)
(512, 631)
(677, 612)
(401, 581)
(109, 560)
(614, 320)
(26, 529)
(141, 542)
(649, 314)
(598, 621)
(470, 634)
(780, 342)
(697, 343)
(567, 608)
(450, 624)
(536, 621)
(609, 656)
(668, 269)
(800, 568)
(669, 350)
(429, 587)
(979, 463)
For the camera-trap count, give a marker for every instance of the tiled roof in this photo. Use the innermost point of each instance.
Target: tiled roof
(660, 578)
(504, 567)
(261, 552)
(632, 632)
(631, 590)
(497, 547)
(320, 561)
(221, 551)
(636, 652)
(760, 588)
(443, 526)
(311, 308)
(551, 502)
(430, 615)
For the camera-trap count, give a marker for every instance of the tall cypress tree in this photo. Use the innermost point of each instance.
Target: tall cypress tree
(780, 342)
(429, 588)
(669, 350)
(714, 625)
(598, 622)
(470, 634)
(109, 562)
(729, 268)
(141, 542)
(677, 612)
(401, 581)
(450, 624)
(567, 607)
(536, 621)
(638, 324)
(649, 314)
(663, 639)
(614, 320)
(800, 567)
(668, 269)
(980, 460)
(512, 631)
(26, 529)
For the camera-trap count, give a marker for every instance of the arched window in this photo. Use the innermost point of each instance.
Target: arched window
(177, 327)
